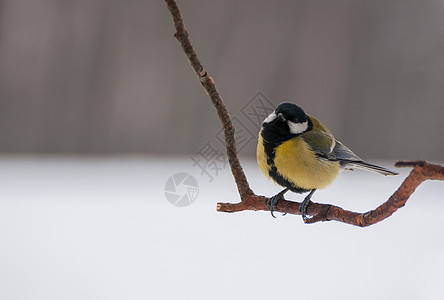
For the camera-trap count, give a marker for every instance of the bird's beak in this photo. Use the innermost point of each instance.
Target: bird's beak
(281, 117)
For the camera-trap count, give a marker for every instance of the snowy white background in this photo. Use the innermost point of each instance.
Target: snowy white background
(101, 228)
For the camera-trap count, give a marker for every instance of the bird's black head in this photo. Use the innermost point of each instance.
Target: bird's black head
(287, 121)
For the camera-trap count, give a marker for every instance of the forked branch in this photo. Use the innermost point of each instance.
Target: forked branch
(320, 212)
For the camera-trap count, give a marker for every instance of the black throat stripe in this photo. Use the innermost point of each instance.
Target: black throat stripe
(270, 151)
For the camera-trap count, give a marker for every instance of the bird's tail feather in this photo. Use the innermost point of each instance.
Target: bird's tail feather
(370, 167)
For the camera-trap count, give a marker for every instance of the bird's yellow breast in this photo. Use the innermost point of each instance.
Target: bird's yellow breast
(261, 157)
(296, 162)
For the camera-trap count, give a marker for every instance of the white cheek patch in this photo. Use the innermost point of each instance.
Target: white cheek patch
(270, 118)
(297, 128)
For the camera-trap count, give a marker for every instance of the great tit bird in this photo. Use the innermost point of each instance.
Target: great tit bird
(299, 153)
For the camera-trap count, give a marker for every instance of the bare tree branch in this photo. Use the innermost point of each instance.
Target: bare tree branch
(208, 83)
(320, 212)
(421, 172)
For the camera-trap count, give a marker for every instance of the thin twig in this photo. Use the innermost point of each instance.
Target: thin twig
(320, 212)
(208, 83)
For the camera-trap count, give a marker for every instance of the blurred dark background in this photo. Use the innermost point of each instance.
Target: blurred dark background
(107, 76)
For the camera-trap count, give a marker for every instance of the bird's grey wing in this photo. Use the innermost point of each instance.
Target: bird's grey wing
(349, 160)
(327, 147)
(337, 152)
(322, 143)
(343, 154)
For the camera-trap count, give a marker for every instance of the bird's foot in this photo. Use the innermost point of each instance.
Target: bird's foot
(303, 207)
(272, 201)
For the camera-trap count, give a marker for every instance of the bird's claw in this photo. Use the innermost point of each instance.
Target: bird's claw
(303, 209)
(272, 201)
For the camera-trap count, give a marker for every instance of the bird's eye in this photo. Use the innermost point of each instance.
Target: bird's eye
(281, 117)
